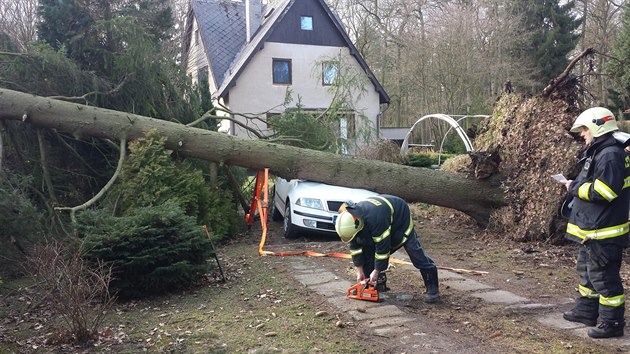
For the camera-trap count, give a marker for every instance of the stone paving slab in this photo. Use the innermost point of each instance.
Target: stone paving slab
(385, 331)
(465, 284)
(298, 265)
(387, 321)
(314, 279)
(332, 288)
(375, 312)
(528, 308)
(447, 274)
(345, 304)
(500, 297)
(555, 320)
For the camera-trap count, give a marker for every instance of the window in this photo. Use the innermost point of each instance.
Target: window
(346, 125)
(282, 71)
(306, 23)
(346, 130)
(329, 73)
(197, 37)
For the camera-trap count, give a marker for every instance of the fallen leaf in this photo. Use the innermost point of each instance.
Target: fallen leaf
(495, 334)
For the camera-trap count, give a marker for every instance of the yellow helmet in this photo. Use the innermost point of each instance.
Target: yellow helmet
(348, 226)
(597, 120)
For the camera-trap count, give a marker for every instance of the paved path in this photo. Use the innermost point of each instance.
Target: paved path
(382, 318)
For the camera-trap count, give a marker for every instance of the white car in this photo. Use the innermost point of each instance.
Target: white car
(310, 206)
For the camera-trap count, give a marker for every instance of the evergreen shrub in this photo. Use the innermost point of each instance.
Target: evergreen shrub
(153, 250)
(152, 177)
(426, 159)
(21, 223)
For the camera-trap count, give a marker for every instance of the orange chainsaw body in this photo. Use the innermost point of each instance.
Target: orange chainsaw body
(363, 291)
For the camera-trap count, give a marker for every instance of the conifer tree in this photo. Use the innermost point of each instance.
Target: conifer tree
(618, 68)
(551, 30)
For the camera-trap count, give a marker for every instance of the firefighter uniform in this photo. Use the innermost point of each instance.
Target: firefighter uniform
(388, 226)
(599, 222)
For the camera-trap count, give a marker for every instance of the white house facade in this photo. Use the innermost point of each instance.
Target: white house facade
(255, 54)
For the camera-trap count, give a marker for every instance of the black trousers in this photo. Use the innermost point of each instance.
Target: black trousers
(414, 249)
(601, 288)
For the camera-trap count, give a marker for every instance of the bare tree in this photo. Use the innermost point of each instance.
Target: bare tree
(601, 22)
(436, 56)
(19, 21)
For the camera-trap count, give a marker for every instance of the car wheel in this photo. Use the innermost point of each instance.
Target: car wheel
(290, 230)
(275, 213)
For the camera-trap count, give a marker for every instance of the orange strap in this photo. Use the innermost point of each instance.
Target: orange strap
(261, 204)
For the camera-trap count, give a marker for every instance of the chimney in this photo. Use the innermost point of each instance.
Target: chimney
(253, 16)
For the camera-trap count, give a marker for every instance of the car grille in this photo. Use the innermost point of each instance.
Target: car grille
(325, 226)
(334, 206)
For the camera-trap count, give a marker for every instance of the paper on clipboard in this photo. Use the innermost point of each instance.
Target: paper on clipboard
(559, 177)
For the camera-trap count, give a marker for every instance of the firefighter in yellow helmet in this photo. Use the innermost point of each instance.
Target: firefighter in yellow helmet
(599, 224)
(374, 229)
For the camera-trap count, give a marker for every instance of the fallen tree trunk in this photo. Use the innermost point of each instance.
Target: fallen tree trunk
(474, 197)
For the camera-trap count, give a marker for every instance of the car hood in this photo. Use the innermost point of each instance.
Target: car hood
(332, 193)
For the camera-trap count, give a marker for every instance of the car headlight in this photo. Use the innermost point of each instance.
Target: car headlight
(310, 203)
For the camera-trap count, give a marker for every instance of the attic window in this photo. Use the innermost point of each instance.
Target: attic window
(306, 23)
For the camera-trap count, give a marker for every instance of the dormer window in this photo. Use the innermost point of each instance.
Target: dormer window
(306, 23)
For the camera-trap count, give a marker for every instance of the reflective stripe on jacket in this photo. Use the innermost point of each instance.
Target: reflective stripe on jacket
(601, 195)
(387, 224)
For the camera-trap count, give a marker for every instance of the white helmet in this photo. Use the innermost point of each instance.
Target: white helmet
(348, 226)
(597, 120)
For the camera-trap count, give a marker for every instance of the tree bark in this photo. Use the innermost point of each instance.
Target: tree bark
(474, 197)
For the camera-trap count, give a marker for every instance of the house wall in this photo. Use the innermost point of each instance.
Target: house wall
(255, 93)
(197, 58)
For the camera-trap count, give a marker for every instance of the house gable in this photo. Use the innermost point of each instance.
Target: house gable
(284, 20)
(324, 31)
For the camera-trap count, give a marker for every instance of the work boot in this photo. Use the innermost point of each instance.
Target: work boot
(607, 329)
(575, 317)
(430, 277)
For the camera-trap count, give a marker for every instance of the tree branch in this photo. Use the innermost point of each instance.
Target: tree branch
(555, 82)
(76, 154)
(121, 160)
(236, 189)
(44, 164)
(84, 98)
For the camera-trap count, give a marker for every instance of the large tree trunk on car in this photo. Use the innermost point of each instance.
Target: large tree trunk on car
(473, 197)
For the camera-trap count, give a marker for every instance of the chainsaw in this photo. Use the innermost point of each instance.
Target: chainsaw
(363, 291)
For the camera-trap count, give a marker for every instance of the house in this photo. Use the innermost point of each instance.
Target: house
(254, 54)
